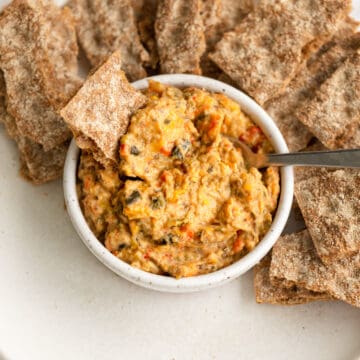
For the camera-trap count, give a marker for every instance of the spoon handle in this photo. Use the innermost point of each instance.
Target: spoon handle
(337, 158)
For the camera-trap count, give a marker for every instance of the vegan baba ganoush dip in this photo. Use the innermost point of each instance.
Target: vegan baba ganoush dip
(182, 201)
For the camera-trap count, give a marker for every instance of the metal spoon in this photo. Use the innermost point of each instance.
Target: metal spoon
(336, 158)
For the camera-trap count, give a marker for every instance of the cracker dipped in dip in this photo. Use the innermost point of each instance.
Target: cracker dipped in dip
(182, 201)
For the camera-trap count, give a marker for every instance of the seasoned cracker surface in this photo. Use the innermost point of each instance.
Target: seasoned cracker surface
(220, 16)
(302, 88)
(34, 86)
(333, 115)
(295, 262)
(104, 26)
(330, 205)
(266, 292)
(264, 61)
(180, 36)
(56, 54)
(99, 113)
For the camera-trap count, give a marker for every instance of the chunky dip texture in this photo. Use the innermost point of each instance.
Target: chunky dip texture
(182, 201)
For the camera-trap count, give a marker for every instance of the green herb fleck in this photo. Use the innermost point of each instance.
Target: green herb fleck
(134, 196)
(157, 202)
(186, 145)
(134, 150)
(176, 153)
(167, 239)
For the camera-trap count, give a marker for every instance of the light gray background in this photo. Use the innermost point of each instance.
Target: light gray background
(58, 302)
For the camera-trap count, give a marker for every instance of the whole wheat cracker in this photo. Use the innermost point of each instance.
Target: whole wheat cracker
(106, 26)
(180, 36)
(333, 115)
(27, 59)
(269, 46)
(266, 292)
(55, 54)
(220, 16)
(330, 205)
(99, 113)
(302, 88)
(296, 262)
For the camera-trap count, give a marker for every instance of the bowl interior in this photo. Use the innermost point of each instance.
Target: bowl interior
(200, 282)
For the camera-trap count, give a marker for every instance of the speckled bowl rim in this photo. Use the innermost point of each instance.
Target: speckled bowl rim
(200, 282)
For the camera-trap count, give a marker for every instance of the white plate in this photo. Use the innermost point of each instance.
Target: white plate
(58, 302)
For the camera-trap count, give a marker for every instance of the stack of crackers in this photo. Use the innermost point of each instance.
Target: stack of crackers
(38, 75)
(321, 262)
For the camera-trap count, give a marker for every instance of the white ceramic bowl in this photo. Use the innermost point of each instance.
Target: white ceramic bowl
(200, 282)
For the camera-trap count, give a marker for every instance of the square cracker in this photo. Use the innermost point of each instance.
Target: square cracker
(106, 26)
(180, 36)
(295, 262)
(330, 205)
(333, 115)
(266, 292)
(100, 112)
(303, 87)
(32, 69)
(269, 46)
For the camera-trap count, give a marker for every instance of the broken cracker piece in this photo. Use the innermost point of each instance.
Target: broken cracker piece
(100, 112)
(106, 26)
(265, 292)
(180, 36)
(295, 262)
(330, 205)
(333, 115)
(270, 45)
